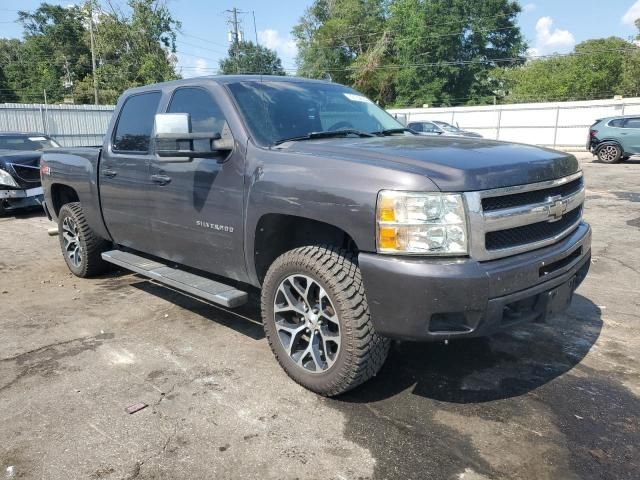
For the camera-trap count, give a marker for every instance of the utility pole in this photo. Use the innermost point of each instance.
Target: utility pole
(93, 54)
(235, 35)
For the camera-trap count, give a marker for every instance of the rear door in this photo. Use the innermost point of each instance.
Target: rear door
(197, 216)
(124, 173)
(631, 135)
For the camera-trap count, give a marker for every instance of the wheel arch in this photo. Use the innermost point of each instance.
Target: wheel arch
(277, 233)
(62, 194)
(609, 141)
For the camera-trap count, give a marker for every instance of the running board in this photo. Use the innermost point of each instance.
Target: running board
(196, 285)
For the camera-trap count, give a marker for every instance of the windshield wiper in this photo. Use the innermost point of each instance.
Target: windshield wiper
(325, 134)
(391, 131)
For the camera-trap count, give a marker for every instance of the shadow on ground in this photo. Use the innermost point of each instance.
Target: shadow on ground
(487, 369)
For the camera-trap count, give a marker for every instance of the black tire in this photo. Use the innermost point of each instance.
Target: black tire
(86, 262)
(610, 153)
(361, 352)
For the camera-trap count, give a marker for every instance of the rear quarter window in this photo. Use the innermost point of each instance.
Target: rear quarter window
(616, 122)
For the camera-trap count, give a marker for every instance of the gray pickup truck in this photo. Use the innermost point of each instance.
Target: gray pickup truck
(356, 230)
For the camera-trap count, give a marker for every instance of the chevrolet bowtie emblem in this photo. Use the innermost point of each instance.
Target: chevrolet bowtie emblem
(556, 209)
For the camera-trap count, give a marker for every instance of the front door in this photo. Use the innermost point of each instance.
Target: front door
(124, 173)
(198, 205)
(631, 132)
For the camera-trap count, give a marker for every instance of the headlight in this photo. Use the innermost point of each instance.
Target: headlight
(421, 223)
(6, 179)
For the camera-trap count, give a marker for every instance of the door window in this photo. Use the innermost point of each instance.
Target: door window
(135, 123)
(416, 127)
(205, 114)
(632, 123)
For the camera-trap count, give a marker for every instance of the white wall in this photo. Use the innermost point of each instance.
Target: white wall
(558, 124)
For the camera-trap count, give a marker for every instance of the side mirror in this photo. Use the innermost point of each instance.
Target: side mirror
(174, 140)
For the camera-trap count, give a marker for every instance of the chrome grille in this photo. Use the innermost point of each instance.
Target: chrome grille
(511, 220)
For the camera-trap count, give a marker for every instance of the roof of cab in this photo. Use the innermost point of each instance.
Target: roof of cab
(225, 79)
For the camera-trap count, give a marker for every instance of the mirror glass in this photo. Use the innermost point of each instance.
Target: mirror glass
(172, 123)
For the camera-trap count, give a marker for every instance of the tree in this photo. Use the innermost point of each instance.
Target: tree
(448, 48)
(333, 34)
(597, 68)
(247, 57)
(54, 53)
(410, 52)
(10, 69)
(631, 71)
(133, 47)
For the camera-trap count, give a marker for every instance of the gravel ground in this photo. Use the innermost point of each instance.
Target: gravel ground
(552, 401)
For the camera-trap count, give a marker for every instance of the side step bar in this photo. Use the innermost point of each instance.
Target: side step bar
(196, 285)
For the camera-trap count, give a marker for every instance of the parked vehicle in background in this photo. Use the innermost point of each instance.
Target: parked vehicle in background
(356, 229)
(20, 169)
(451, 130)
(425, 128)
(614, 139)
(436, 127)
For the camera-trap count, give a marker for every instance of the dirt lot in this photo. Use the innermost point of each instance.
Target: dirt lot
(554, 401)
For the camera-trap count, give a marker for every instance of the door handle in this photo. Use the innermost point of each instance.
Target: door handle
(160, 179)
(109, 173)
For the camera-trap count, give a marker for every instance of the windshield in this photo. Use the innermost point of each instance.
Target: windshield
(448, 127)
(24, 142)
(276, 111)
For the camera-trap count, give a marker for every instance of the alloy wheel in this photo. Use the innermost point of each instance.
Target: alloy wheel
(307, 323)
(608, 153)
(71, 241)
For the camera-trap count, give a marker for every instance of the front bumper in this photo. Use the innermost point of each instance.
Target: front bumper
(14, 199)
(431, 299)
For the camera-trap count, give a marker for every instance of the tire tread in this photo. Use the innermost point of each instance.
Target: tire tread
(367, 351)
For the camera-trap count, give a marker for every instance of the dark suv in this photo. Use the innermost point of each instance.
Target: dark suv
(615, 138)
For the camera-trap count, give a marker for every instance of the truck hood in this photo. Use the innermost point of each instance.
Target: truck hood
(452, 163)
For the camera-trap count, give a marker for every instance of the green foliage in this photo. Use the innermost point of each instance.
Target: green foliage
(410, 52)
(247, 57)
(598, 69)
(132, 48)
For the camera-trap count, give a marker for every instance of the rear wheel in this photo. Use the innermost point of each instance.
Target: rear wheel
(610, 153)
(81, 247)
(317, 320)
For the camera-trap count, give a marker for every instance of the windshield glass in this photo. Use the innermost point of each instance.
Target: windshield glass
(25, 142)
(275, 111)
(448, 127)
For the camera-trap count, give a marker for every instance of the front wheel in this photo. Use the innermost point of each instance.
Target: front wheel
(610, 153)
(317, 320)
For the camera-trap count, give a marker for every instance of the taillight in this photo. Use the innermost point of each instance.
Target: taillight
(593, 133)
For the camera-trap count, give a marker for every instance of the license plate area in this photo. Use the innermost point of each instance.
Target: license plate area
(557, 300)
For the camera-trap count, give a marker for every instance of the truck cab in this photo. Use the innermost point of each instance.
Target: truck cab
(355, 229)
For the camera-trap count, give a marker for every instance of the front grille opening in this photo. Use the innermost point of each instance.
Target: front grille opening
(528, 198)
(451, 322)
(568, 260)
(535, 232)
(27, 174)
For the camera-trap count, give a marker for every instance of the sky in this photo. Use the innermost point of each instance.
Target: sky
(549, 26)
